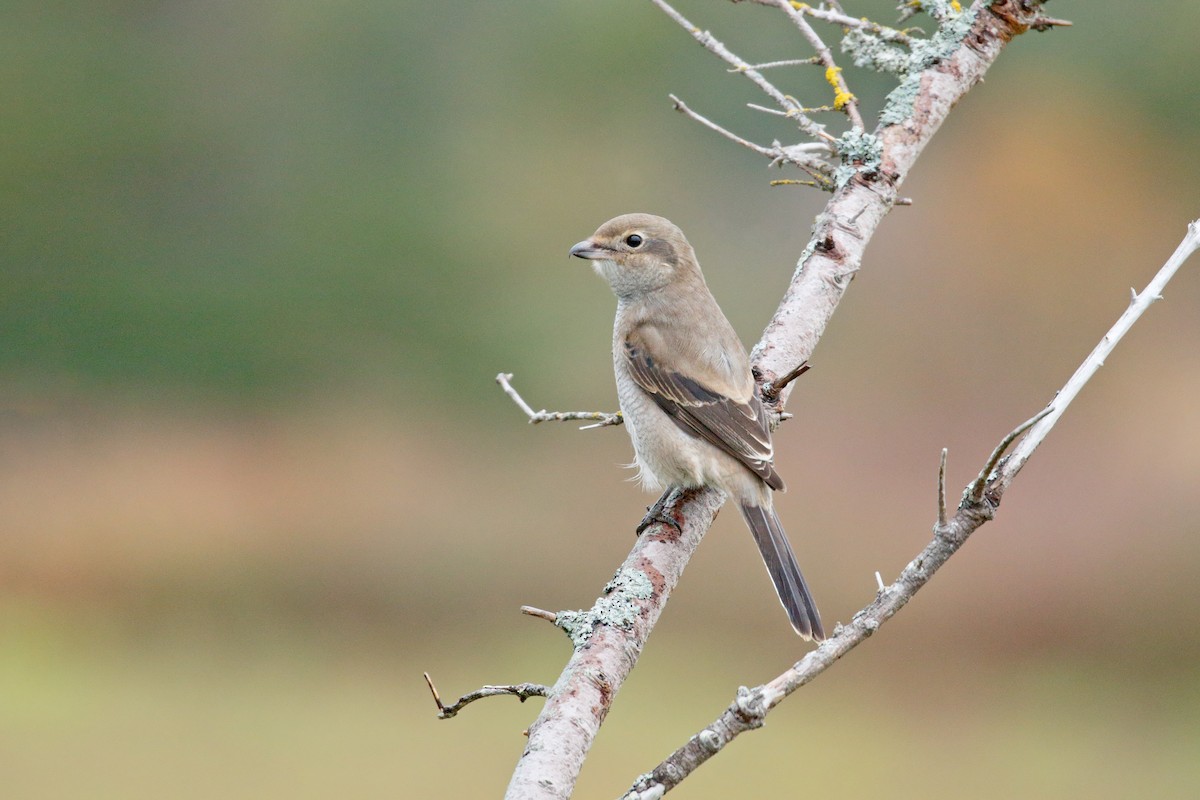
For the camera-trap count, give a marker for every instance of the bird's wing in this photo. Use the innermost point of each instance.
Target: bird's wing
(738, 428)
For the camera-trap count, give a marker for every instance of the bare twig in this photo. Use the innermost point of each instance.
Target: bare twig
(974, 491)
(522, 691)
(772, 111)
(603, 419)
(772, 389)
(1043, 23)
(733, 137)
(789, 62)
(1137, 306)
(941, 519)
(540, 613)
(713, 45)
(805, 155)
(842, 19)
(843, 100)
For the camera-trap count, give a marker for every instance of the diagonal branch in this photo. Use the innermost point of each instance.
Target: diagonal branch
(980, 501)
(1138, 303)
(579, 701)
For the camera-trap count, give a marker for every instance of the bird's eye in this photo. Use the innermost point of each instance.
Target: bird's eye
(633, 240)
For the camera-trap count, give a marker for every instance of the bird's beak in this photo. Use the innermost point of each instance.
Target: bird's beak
(589, 250)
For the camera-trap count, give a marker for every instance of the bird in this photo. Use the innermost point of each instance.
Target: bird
(687, 394)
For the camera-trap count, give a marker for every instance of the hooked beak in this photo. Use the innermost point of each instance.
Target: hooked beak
(589, 250)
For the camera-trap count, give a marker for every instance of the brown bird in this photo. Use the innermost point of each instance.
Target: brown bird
(686, 392)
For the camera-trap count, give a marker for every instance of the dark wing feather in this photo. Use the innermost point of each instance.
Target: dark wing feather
(739, 429)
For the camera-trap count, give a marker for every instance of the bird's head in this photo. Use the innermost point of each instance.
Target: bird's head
(639, 253)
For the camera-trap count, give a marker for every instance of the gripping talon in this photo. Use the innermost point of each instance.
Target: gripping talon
(657, 513)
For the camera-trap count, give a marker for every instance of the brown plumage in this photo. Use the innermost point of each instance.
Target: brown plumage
(686, 391)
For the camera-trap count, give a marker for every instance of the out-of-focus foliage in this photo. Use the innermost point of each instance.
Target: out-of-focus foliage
(260, 261)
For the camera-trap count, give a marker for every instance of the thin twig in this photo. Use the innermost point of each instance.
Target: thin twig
(975, 490)
(941, 520)
(730, 135)
(803, 155)
(773, 111)
(713, 45)
(522, 691)
(1043, 23)
(842, 19)
(789, 62)
(1137, 306)
(772, 389)
(540, 613)
(603, 418)
(844, 99)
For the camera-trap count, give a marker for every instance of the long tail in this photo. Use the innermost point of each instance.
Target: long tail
(785, 572)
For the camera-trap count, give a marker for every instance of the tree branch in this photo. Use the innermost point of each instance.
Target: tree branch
(522, 691)
(1138, 304)
(603, 418)
(843, 99)
(806, 156)
(980, 501)
(710, 43)
(612, 635)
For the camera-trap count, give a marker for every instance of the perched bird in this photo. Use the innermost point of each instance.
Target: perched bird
(686, 392)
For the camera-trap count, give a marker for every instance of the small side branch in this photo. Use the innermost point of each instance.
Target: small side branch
(522, 691)
(540, 613)
(714, 46)
(771, 390)
(974, 492)
(841, 19)
(682, 107)
(843, 99)
(1138, 304)
(806, 156)
(602, 419)
(941, 520)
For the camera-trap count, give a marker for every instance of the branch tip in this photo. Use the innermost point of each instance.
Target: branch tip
(437, 698)
(1041, 23)
(772, 389)
(941, 523)
(531, 611)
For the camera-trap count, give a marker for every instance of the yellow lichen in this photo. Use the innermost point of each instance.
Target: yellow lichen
(840, 96)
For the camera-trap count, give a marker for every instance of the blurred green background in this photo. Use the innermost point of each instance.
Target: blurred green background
(261, 262)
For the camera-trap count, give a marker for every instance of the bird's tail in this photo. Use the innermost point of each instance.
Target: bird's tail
(785, 572)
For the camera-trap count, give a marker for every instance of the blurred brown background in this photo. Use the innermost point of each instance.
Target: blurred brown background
(262, 261)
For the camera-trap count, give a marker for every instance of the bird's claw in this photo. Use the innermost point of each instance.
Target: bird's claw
(657, 513)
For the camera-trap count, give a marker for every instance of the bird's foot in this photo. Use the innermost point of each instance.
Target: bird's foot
(657, 513)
